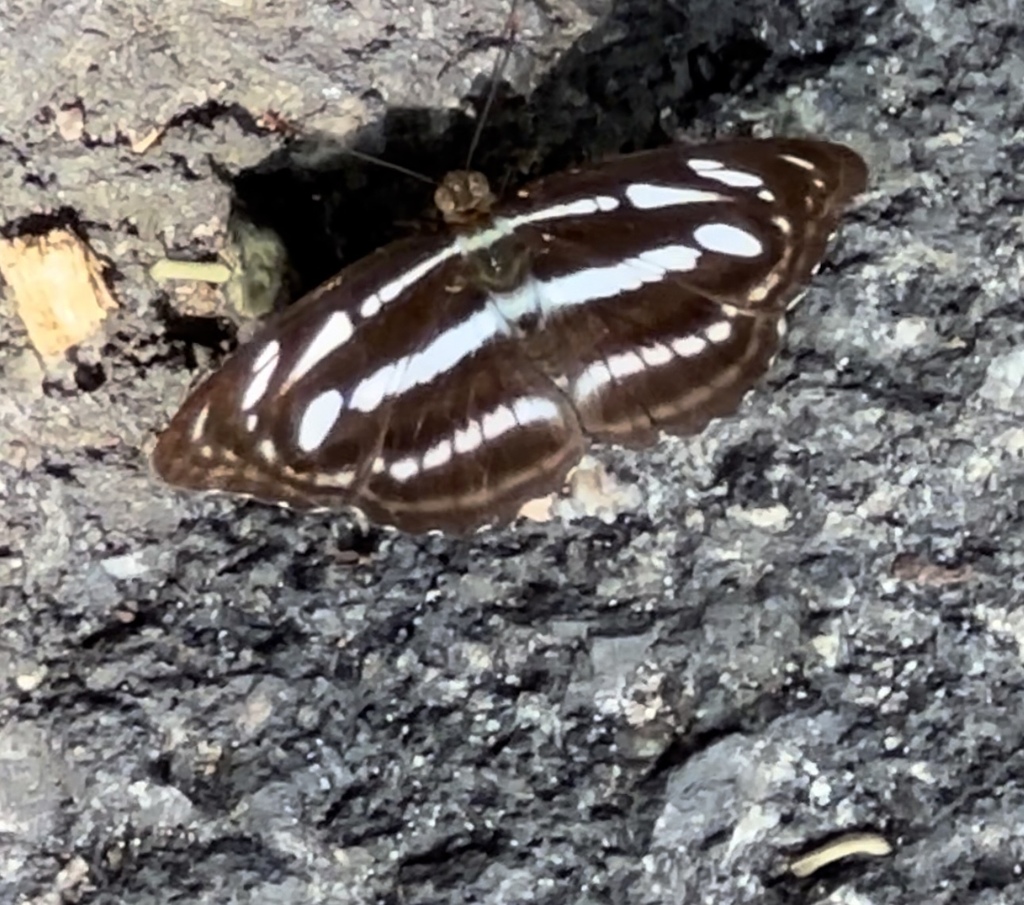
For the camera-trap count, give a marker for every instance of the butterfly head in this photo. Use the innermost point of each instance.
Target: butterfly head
(464, 196)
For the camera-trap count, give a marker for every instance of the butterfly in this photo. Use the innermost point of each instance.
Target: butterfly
(442, 382)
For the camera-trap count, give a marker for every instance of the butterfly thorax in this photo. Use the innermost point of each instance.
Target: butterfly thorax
(495, 260)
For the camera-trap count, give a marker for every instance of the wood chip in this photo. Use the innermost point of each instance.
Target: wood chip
(837, 849)
(140, 144)
(57, 286)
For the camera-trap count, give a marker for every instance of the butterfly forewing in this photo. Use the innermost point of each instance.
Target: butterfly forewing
(687, 266)
(758, 214)
(262, 425)
(445, 381)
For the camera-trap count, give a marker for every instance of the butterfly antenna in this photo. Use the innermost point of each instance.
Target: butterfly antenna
(499, 66)
(369, 158)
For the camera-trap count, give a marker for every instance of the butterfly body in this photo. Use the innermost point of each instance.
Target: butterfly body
(444, 381)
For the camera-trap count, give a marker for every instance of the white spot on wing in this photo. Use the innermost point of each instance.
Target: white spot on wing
(503, 226)
(677, 258)
(727, 239)
(404, 469)
(340, 480)
(583, 286)
(371, 307)
(625, 364)
(530, 409)
(594, 378)
(737, 179)
(718, 332)
(599, 374)
(270, 352)
(370, 393)
(656, 356)
(782, 224)
(715, 169)
(594, 283)
(318, 420)
(390, 291)
(262, 370)
(468, 438)
(798, 161)
(336, 331)
(579, 208)
(796, 300)
(646, 196)
(704, 165)
(199, 425)
(688, 346)
(438, 455)
(267, 450)
(497, 422)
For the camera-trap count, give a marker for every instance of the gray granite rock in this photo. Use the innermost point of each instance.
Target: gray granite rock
(807, 624)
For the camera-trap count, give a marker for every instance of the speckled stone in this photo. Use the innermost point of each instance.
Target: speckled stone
(804, 622)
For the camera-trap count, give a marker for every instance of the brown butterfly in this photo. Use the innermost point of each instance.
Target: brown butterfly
(445, 380)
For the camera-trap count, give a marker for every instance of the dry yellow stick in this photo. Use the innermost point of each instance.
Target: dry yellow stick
(843, 847)
(194, 271)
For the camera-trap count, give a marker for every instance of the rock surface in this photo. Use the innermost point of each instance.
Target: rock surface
(808, 624)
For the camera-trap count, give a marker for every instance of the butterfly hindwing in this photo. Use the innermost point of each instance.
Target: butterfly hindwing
(471, 449)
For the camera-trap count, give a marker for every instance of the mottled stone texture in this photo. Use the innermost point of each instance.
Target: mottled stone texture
(810, 625)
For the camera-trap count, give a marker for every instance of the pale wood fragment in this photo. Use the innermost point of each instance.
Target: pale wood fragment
(56, 282)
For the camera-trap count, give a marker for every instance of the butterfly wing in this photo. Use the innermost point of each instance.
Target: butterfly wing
(387, 396)
(467, 450)
(413, 386)
(266, 423)
(673, 292)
